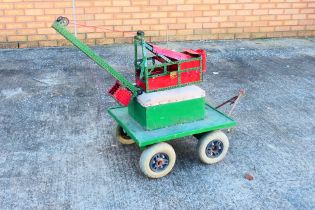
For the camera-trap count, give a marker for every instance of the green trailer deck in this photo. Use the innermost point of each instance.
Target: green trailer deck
(214, 120)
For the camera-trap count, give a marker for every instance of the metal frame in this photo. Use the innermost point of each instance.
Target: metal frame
(146, 70)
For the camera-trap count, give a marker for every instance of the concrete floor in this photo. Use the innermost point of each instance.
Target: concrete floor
(58, 152)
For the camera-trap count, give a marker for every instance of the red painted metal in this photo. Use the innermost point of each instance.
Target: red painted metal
(169, 80)
(120, 94)
(189, 70)
(189, 77)
(197, 53)
(190, 64)
(159, 82)
(169, 53)
(204, 59)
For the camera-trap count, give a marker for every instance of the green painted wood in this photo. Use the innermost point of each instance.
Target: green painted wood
(154, 117)
(137, 112)
(214, 120)
(94, 56)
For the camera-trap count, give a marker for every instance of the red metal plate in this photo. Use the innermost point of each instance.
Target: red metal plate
(189, 77)
(190, 64)
(120, 94)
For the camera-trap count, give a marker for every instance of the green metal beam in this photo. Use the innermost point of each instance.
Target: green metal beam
(94, 56)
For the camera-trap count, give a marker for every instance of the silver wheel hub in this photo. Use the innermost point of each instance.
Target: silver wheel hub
(214, 148)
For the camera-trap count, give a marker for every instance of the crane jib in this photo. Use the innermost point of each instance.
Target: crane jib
(61, 29)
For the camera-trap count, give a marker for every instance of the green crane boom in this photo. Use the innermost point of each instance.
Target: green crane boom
(60, 27)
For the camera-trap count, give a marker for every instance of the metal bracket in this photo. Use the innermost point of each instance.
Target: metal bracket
(232, 101)
(62, 21)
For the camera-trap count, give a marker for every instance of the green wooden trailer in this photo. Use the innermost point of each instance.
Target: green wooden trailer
(158, 157)
(214, 120)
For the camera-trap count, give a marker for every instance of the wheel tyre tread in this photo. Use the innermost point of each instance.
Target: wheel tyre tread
(148, 153)
(120, 138)
(203, 142)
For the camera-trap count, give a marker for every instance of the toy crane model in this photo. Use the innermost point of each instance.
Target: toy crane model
(163, 104)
